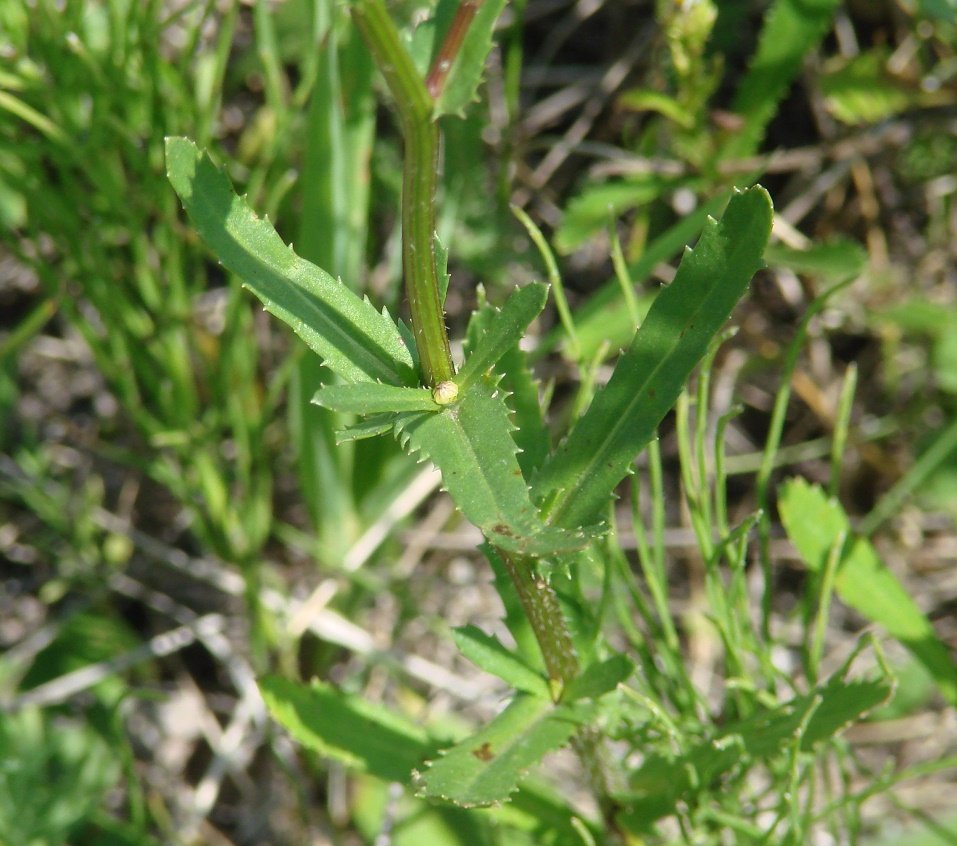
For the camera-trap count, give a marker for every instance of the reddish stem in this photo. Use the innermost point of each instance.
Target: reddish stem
(442, 63)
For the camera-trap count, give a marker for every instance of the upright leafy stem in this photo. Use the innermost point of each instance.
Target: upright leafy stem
(464, 423)
(420, 133)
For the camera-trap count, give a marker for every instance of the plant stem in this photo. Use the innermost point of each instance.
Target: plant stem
(442, 63)
(420, 133)
(561, 662)
(545, 616)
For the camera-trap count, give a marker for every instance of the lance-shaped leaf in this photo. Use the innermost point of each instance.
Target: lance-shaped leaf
(367, 427)
(575, 484)
(465, 73)
(815, 523)
(489, 653)
(470, 443)
(486, 769)
(504, 330)
(346, 728)
(521, 393)
(352, 338)
(374, 398)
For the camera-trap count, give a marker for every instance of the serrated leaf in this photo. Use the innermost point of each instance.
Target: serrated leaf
(368, 427)
(815, 523)
(503, 330)
(470, 443)
(791, 29)
(352, 338)
(373, 398)
(487, 652)
(521, 395)
(486, 769)
(464, 77)
(576, 483)
(346, 728)
(600, 678)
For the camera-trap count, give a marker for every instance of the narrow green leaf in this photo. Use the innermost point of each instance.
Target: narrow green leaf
(486, 769)
(815, 523)
(576, 483)
(346, 728)
(791, 29)
(368, 427)
(489, 653)
(835, 261)
(505, 329)
(521, 394)
(587, 213)
(599, 679)
(470, 442)
(374, 398)
(353, 339)
(466, 72)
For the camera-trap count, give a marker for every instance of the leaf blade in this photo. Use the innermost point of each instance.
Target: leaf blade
(346, 728)
(353, 339)
(576, 483)
(814, 523)
(486, 768)
(374, 398)
(465, 75)
(503, 331)
(470, 443)
(488, 653)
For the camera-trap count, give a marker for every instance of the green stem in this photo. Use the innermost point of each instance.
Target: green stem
(561, 663)
(419, 176)
(545, 616)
